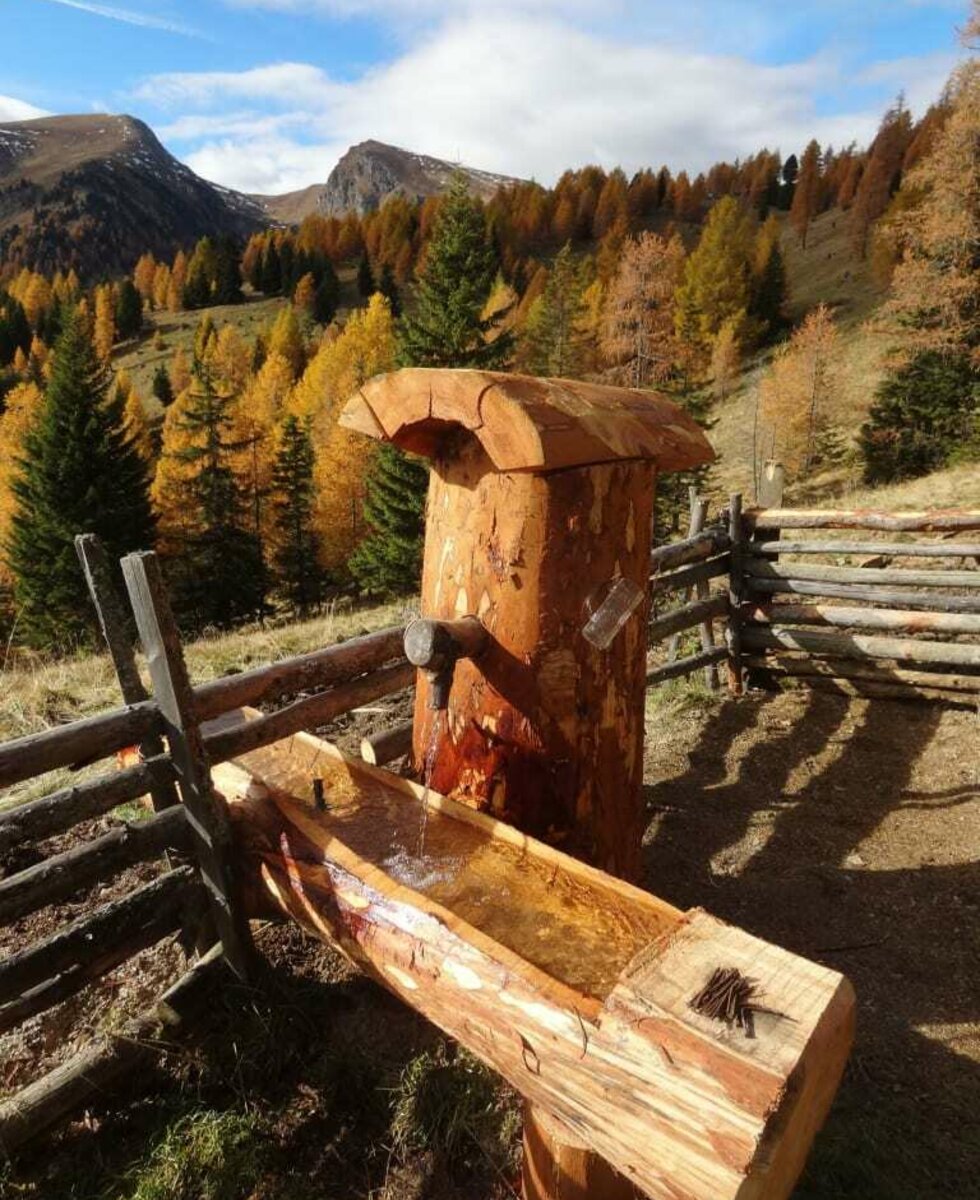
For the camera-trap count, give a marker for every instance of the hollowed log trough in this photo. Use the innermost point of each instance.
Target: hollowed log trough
(575, 986)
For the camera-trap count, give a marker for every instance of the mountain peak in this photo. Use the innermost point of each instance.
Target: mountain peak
(371, 171)
(95, 190)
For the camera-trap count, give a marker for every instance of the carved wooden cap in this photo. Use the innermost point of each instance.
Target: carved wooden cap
(525, 423)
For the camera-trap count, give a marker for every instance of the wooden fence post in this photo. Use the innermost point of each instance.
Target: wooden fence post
(113, 623)
(736, 590)
(207, 816)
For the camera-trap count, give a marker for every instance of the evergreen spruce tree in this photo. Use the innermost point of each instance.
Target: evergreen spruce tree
(365, 278)
(161, 387)
(445, 327)
(389, 561)
(388, 287)
(293, 495)
(129, 310)
(15, 330)
(227, 274)
(218, 575)
(271, 274)
(80, 473)
(770, 293)
(925, 414)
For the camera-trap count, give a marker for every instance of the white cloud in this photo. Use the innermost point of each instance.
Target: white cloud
(523, 94)
(12, 109)
(128, 17)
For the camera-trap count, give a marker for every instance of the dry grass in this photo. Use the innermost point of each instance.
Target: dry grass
(37, 693)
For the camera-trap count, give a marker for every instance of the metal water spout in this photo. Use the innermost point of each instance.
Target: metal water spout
(436, 646)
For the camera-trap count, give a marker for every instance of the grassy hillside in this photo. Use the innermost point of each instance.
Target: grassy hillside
(140, 357)
(826, 271)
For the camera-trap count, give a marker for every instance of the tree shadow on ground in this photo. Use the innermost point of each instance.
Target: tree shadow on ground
(772, 845)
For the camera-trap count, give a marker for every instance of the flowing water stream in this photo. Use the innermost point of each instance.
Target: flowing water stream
(439, 720)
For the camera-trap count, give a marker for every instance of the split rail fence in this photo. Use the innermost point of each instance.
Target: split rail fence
(752, 588)
(181, 735)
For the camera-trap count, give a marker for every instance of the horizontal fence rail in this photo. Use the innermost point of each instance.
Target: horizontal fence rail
(79, 742)
(819, 573)
(42, 975)
(48, 815)
(897, 620)
(60, 876)
(937, 521)
(885, 549)
(858, 646)
(321, 668)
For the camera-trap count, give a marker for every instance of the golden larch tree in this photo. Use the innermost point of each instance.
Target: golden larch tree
(796, 393)
(637, 337)
(22, 407)
(104, 328)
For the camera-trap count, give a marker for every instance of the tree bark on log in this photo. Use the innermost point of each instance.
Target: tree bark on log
(43, 975)
(936, 521)
(759, 568)
(890, 549)
(858, 646)
(686, 666)
(876, 672)
(900, 621)
(875, 594)
(88, 739)
(687, 617)
(322, 668)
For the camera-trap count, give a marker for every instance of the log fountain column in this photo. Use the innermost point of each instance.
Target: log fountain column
(540, 503)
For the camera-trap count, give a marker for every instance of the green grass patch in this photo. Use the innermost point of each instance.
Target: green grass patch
(204, 1154)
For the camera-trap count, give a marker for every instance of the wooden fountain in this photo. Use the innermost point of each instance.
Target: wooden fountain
(598, 1001)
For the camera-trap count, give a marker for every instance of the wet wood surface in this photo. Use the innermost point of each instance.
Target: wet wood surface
(574, 985)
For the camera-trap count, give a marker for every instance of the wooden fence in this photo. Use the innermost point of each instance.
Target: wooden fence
(180, 736)
(901, 632)
(906, 631)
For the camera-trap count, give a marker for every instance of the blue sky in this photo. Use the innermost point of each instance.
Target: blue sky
(264, 95)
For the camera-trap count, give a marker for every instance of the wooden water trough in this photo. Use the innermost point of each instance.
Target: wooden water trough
(575, 986)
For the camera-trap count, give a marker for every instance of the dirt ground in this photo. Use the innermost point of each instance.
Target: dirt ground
(845, 830)
(849, 831)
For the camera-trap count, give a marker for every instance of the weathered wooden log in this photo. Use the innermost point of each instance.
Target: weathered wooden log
(686, 666)
(859, 646)
(889, 549)
(117, 631)
(384, 747)
(699, 519)
(686, 577)
(50, 971)
(932, 601)
(874, 672)
(322, 668)
(58, 811)
(687, 617)
(307, 713)
(899, 620)
(821, 573)
(208, 821)
(85, 740)
(698, 546)
(92, 1072)
(936, 521)
(58, 877)
(575, 986)
(737, 590)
